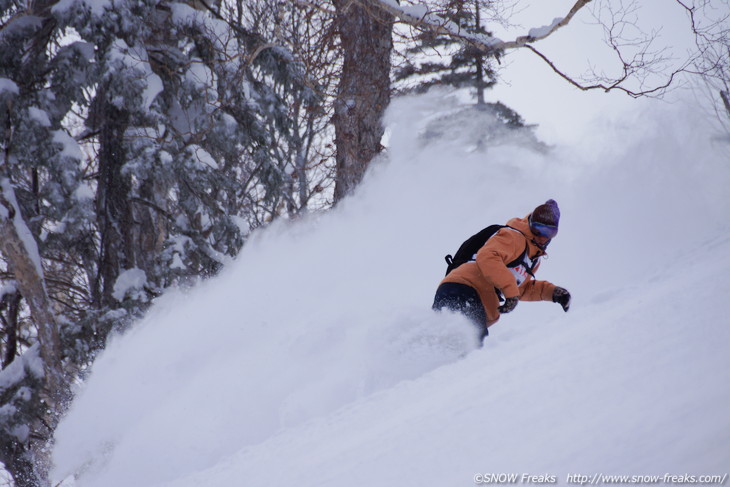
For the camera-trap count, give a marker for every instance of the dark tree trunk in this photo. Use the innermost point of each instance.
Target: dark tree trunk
(479, 59)
(151, 227)
(364, 90)
(113, 205)
(10, 323)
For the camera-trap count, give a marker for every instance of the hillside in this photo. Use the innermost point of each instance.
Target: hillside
(314, 358)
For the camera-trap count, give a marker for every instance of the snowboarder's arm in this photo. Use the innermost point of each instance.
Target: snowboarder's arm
(537, 291)
(492, 259)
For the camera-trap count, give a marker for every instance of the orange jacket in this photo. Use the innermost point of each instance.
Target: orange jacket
(490, 270)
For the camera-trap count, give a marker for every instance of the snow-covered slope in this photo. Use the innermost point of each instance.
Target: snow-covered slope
(314, 359)
(626, 385)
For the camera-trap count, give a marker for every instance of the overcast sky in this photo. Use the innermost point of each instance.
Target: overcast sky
(563, 112)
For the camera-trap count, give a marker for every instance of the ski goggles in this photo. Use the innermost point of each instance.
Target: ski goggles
(542, 230)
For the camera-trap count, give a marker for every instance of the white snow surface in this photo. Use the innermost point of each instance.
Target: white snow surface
(202, 156)
(129, 280)
(69, 146)
(136, 58)
(314, 359)
(9, 86)
(40, 116)
(84, 192)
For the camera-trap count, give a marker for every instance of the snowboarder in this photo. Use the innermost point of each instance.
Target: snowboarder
(502, 271)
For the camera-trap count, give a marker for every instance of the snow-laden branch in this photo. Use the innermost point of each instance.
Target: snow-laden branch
(21, 253)
(634, 69)
(421, 18)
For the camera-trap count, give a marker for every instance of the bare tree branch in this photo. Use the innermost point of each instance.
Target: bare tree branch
(635, 69)
(421, 18)
(711, 29)
(616, 85)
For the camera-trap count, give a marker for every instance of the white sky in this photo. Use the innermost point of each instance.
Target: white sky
(563, 112)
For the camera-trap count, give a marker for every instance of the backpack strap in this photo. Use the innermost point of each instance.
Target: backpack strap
(521, 259)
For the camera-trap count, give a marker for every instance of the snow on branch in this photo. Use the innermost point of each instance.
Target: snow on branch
(21, 253)
(421, 18)
(635, 69)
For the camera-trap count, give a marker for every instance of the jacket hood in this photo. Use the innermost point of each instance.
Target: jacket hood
(523, 226)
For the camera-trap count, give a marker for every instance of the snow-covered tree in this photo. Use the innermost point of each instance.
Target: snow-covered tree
(300, 151)
(39, 178)
(433, 59)
(134, 154)
(436, 59)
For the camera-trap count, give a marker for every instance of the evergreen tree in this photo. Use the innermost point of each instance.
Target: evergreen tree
(40, 177)
(440, 60)
(134, 152)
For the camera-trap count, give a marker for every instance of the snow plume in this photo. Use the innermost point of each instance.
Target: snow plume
(315, 356)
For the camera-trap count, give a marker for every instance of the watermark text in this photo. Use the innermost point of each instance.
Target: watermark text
(599, 479)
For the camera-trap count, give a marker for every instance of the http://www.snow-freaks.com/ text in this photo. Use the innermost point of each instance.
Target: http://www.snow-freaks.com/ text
(599, 479)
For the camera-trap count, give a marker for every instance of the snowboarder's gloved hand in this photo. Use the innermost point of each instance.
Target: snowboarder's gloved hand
(509, 305)
(562, 296)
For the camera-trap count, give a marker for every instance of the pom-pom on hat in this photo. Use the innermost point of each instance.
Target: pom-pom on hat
(545, 218)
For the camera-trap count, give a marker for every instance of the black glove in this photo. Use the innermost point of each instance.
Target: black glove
(509, 305)
(562, 296)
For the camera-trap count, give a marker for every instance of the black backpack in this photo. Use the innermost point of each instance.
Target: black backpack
(468, 250)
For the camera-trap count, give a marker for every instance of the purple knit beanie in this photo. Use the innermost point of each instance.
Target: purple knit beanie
(547, 214)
